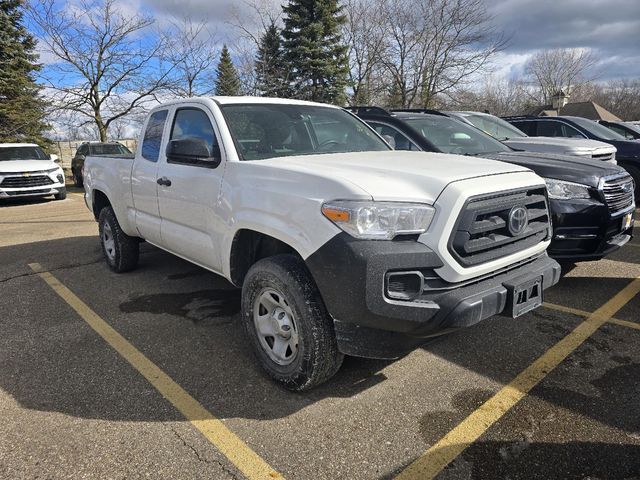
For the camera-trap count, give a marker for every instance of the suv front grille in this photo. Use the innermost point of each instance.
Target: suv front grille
(482, 232)
(618, 193)
(26, 182)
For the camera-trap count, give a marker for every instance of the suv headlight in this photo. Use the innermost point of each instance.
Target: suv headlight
(379, 220)
(559, 189)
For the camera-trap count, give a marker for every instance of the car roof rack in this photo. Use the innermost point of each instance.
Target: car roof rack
(513, 117)
(364, 109)
(420, 110)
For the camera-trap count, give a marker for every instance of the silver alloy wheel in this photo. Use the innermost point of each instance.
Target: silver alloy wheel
(108, 241)
(275, 326)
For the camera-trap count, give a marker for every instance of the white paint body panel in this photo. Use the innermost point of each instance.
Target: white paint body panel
(13, 168)
(203, 210)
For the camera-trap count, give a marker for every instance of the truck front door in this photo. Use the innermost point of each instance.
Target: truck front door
(189, 178)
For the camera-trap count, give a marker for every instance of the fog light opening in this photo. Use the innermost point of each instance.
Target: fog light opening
(404, 285)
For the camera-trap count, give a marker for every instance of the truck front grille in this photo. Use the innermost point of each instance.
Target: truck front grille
(618, 193)
(605, 157)
(26, 182)
(494, 226)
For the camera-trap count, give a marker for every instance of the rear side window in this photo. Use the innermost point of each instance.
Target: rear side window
(153, 136)
(556, 129)
(527, 127)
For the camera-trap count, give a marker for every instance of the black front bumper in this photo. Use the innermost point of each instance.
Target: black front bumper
(583, 229)
(351, 277)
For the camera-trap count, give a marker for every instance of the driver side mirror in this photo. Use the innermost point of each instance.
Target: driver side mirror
(54, 158)
(390, 140)
(193, 150)
(461, 139)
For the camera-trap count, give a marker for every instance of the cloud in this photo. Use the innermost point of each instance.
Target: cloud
(611, 28)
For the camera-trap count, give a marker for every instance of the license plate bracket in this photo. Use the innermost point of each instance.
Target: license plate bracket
(525, 296)
(627, 221)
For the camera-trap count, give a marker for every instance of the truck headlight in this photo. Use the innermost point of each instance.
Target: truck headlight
(561, 190)
(379, 220)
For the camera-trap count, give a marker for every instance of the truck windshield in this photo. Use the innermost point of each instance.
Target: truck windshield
(22, 153)
(494, 126)
(263, 131)
(452, 136)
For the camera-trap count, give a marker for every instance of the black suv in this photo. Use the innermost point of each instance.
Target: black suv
(628, 154)
(591, 202)
(95, 149)
(626, 129)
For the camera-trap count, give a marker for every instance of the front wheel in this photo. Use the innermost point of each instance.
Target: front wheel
(61, 195)
(120, 250)
(287, 323)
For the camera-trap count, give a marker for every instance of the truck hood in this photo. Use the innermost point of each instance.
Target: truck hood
(572, 146)
(17, 166)
(395, 175)
(560, 167)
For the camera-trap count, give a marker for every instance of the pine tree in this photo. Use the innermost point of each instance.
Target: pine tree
(316, 59)
(227, 80)
(271, 71)
(22, 109)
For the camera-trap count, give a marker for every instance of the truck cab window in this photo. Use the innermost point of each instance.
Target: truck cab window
(193, 124)
(153, 136)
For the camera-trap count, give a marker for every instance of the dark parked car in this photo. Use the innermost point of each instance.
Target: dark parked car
(591, 202)
(95, 149)
(628, 155)
(626, 129)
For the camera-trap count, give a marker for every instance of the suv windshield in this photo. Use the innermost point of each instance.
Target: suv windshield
(494, 126)
(596, 129)
(452, 136)
(262, 131)
(22, 153)
(109, 149)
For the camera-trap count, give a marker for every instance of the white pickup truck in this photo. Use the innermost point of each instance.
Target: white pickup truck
(341, 245)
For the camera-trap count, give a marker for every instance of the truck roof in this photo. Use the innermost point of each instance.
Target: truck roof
(3, 145)
(222, 100)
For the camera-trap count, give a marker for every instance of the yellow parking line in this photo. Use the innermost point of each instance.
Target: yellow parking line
(436, 458)
(584, 313)
(245, 459)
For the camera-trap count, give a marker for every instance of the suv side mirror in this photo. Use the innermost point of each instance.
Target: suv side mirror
(54, 158)
(461, 139)
(193, 150)
(390, 140)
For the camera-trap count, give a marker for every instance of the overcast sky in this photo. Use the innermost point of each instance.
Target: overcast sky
(610, 27)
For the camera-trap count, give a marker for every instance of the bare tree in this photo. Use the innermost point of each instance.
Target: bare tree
(251, 18)
(560, 69)
(364, 33)
(190, 47)
(435, 46)
(108, 60)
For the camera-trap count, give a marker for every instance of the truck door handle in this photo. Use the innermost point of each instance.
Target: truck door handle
(164, 181)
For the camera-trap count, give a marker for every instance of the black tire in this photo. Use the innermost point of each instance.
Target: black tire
(77, 178)
(122, 255)
(317, 358)
(61, 195)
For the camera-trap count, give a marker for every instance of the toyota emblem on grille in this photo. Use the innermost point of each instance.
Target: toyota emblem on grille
(518, 220)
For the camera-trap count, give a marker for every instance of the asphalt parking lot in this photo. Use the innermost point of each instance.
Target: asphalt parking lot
(146, 374)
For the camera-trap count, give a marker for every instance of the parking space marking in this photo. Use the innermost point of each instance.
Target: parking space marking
(447, 449)
(227, 442)
(584, 313)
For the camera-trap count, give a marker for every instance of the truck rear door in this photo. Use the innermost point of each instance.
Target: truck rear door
(144, 176)
(190, 178)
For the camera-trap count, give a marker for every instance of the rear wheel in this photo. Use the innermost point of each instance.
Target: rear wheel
(77, 178)
(287, 323)
(120, 250)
